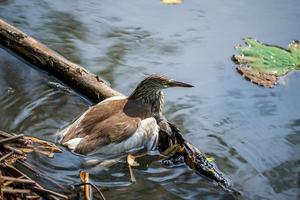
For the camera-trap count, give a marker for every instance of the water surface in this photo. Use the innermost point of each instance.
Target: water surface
(252, 132)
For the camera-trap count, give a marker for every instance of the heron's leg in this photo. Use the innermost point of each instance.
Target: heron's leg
(132, 178)
(131, 163)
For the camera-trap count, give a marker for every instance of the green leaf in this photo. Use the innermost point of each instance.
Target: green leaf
(262, 63)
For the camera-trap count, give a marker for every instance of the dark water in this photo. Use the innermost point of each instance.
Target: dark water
(252, 132)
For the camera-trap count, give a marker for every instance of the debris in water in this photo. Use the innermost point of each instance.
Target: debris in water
(171, 2)
(15, 184)
(179, 151)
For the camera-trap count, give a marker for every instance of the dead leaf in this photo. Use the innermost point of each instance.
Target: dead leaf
(257, 77)
(171, 2)
(169, 152)
(131, 161)
(210, 159)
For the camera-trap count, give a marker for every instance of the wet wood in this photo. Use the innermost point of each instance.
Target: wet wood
(10, 139)
(18, 180)
(73, 75)
(14, 147)
(6, 135)
(42, 190)
(14, 191)
(6, 156)
(14, 184)
(14, 150)
(33, 197)
(85, 178)
(23, 186)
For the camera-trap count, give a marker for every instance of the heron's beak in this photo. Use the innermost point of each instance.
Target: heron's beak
(173, 83)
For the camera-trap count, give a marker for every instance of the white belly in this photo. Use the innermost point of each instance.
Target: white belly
(146, 136)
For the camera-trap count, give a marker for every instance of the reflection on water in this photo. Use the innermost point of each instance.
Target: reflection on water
(114, 58)
(252, 132)
(63, 29)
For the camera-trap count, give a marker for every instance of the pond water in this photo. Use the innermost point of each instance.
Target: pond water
(252, 132)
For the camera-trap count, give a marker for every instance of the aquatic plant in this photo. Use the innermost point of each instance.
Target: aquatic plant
(263, 64)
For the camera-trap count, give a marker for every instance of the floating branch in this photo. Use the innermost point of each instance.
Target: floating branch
(263, 64)
(73, 75)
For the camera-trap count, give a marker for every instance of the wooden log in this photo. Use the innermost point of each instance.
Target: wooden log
(46, 59)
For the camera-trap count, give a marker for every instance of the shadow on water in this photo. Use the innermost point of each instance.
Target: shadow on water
(252, 132)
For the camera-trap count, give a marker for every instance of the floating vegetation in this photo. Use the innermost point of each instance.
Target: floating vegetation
(263, 64)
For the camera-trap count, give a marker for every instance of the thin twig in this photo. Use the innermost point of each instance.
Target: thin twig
(33, 197)
(1, 186)
(6, 156)
(38, 174)
(94, 186)
(14, 191)
(14, 150)
(50, 192)
(37, 188)
(12, 138)
(10, 182)
(19, 180)
(6, 135)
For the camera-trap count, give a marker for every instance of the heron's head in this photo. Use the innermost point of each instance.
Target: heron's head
(154, 83)
(161, 82)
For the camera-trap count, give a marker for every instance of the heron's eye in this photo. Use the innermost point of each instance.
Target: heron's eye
(165, 82)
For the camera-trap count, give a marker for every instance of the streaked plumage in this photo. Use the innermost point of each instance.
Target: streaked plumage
(120, 124)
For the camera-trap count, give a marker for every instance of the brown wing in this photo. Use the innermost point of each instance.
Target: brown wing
(105, 123)
(85, 124)
(115, 129)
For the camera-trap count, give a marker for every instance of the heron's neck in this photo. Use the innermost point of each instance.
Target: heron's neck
(153, 98)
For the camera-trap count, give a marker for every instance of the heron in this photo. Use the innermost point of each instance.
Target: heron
(120, 124)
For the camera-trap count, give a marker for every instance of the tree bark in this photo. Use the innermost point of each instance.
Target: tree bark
(73, 75)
